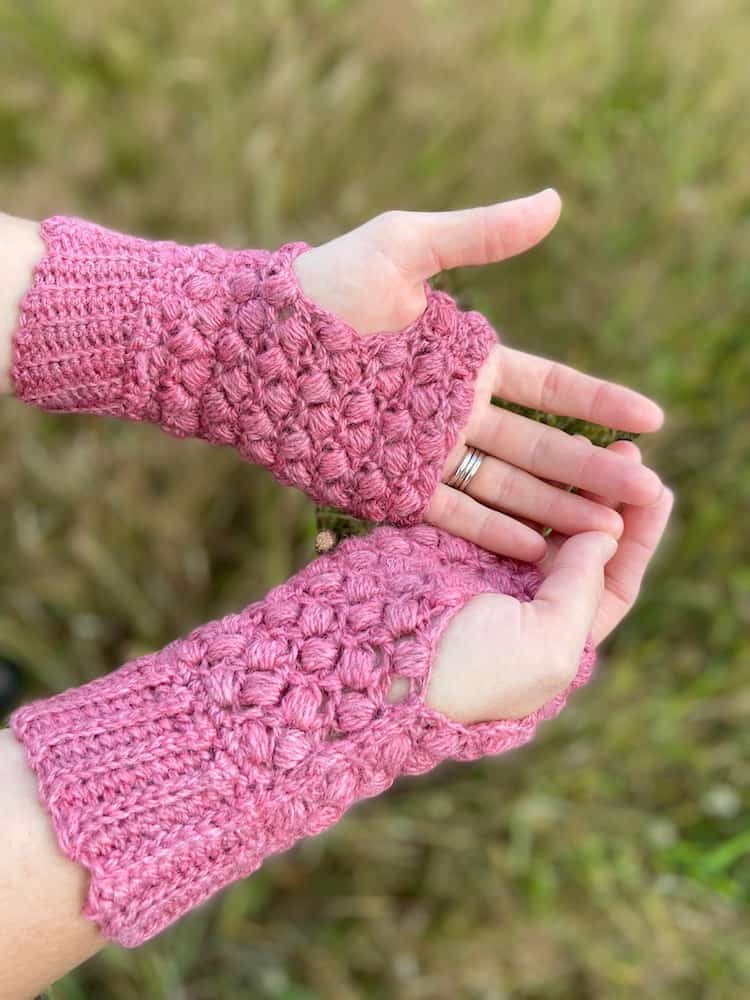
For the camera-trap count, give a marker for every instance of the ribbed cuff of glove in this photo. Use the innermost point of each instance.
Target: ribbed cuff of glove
(225, 346)
(182, 771)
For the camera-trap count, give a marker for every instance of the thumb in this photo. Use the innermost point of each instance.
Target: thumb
(567, 601)
(477, 236)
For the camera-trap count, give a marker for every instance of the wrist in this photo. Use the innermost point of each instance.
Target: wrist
(21, 249)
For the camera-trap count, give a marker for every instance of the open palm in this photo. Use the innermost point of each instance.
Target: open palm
(374, 279)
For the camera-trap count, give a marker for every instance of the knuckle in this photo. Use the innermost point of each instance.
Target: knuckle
(484, 530)
(551, 385)
(505, 487)
(539, 450)
(555, 507)
(624, 595)
(588, 462)
(393, 221)
(449, 506)
(496, 419)
(492, 239)
(599, 399)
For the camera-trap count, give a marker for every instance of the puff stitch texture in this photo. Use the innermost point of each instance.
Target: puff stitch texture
(181, 771)
(224, 345)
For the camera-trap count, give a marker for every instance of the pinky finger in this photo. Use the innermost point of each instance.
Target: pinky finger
(623, 576)
(624, 573)
(461, 515)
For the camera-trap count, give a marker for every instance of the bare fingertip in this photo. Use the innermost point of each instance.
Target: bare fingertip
(619, 525)
(539, 551)
(658, 415)
(668, 497)
(552, 194)
(608, 547)
(650, 485)
(627, 449)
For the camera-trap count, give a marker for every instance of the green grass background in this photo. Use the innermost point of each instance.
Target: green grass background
(611, 858)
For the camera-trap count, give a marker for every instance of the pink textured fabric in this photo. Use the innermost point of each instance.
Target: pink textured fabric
(181, 771)
(224, 345)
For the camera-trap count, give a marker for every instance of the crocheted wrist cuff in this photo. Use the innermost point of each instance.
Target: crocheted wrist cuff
(224, 345)
(103, 312)
(181, 771)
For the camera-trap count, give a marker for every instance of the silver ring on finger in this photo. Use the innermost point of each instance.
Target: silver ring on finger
(468, 467)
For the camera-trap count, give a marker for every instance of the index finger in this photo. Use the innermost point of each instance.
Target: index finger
(556, 388)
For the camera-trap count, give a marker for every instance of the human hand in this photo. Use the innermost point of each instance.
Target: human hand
(587, 591)
(373, 278)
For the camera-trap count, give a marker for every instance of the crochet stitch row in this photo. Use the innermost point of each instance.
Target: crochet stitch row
(183, 770)
(224, 345)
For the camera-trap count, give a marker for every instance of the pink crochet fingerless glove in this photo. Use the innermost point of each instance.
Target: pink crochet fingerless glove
(224, 345)
(181, 771)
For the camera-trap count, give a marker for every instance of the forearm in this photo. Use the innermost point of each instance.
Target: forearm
(183, 770)
(41, 891)
(225, 345)
(21, 248)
